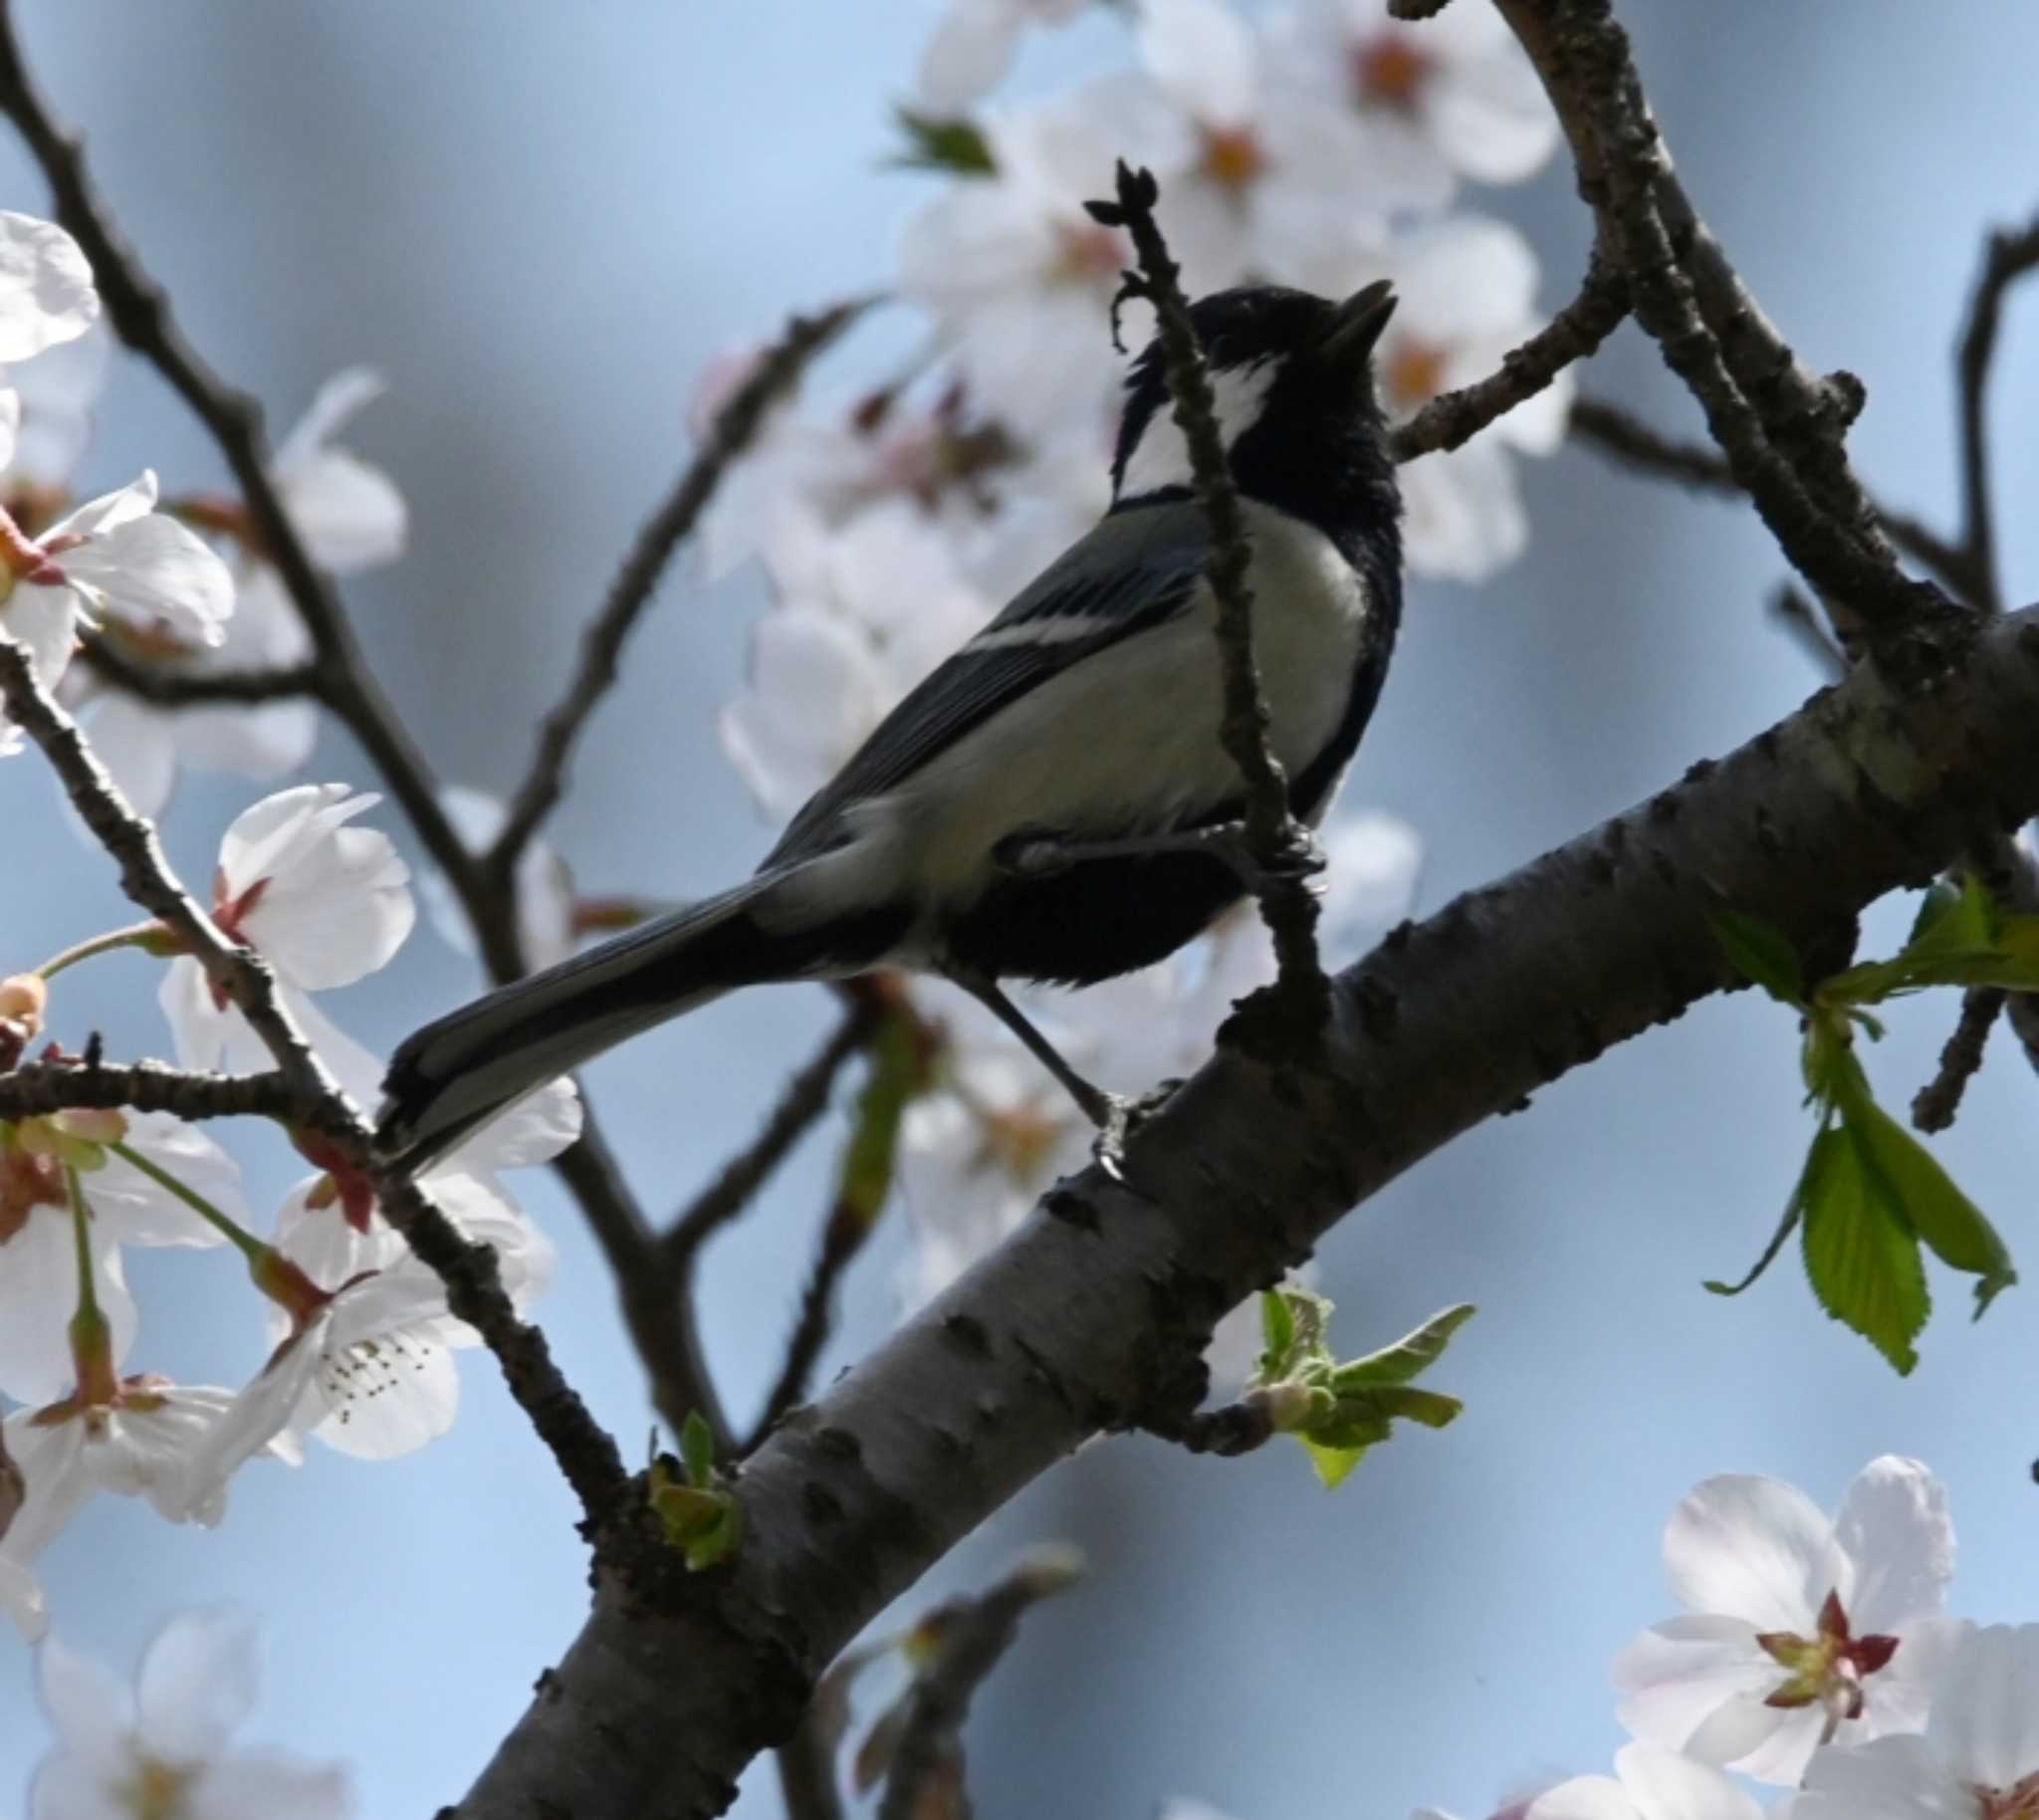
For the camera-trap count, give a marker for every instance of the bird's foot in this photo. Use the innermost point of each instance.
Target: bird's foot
(1117, 1117)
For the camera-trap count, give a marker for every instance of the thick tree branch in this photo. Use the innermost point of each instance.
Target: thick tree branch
(1450, 422)
(1287, 904)
(474, 1288)
(2006, 258)
(735, 427)
(1065, 1329)
(38, 1087)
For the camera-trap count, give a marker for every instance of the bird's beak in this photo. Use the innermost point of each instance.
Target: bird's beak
(1348, 344)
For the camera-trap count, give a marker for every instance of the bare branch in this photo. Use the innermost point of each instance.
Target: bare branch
(1780, 430)
(1287, 904)
(2006, 258)
(179, 688)
(1448, 422)
(1060, 1332)
(927, 1763)
(1612, 432)
(1940, 1098)
(473, 1289)
(801, 1102)
(736, 425)
(38, 1087)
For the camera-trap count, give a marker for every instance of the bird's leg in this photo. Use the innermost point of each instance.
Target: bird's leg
(1043, 855)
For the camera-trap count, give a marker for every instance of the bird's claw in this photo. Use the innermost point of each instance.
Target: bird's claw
(1121, 1117)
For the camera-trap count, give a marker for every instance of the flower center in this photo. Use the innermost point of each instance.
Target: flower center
(1390, 71)
(1415, 372)
(2020, 1801)
(157, 1790)
(1826, 1669)
(1232, 157)
(1086, 253)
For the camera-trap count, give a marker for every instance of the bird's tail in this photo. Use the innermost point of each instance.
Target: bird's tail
(457, 1073)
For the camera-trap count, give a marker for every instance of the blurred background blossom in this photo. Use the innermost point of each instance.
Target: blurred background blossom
(1575, 637)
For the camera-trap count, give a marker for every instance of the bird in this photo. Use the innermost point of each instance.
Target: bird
(1051, 803)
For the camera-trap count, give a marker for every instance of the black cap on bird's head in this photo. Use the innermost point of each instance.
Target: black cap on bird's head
(1291, 375)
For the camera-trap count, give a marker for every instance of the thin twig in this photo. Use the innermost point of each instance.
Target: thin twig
(1939, 1099)
(927, 1763)
(1583, 58)
(1455, 418)
(474, 1288)
(1625, 437)
(1795, 611)
(2007, 257)
(736, 425)
(179, 688)
(1287, 904)
(801, 1102)
(39, 1087)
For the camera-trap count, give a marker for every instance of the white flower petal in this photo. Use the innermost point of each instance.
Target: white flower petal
(137, 1210)
(349, 513)
(1898, 1541)
(108, 511)
(21, 1598)
(1893, 1778)
(197, 1686)
(1204, 57)
(151, 568)
(535, 1130)
(1754, 1547)
(38, 1297)
(1667, 1786)
(388, 1396)
(1583, 1798)
(970, 51)
(260, 1785)
(1985, 1714)
(10, 424)
(46, 294)
(1676, 1676)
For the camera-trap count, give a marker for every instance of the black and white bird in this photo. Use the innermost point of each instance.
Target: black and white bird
(1038, 808)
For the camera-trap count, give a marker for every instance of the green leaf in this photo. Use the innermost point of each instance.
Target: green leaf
(1411, 1402)
(1794, 1211)
(1901, 1170)
(697, 1449)
(1277, 1326)
(1334, 1463)
(1762, 955)
(1409, 1357)
(938, 142)
(899, 1072)
(1860, 1257)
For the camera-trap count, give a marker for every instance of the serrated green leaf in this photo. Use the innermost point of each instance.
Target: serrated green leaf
(1901, 1170)
(1861, 1259)
(697, 1449)
(1408, 1357)
(1411, 1402)
(1277, 1326)
(938, 142)
(1334, 1463)
(1762, 955)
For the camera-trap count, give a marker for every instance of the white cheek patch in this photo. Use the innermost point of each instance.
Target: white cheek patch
(1161, 458)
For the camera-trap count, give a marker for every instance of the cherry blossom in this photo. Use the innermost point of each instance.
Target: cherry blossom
(114, 557)
(1257, 175)
(1019, 278)
(1468, 290)
(867, 611)
(1978, 1758)
(134, 1437)
(1452, 96)
(972, 44)
(348, 511)
(38, 1286)
(1798, 1629)
(1649, 1783)
(163, 1754)
(143, 746)
(59, 392)
(323, 903)
(546, 912)
(46, 294)
(361, 1334)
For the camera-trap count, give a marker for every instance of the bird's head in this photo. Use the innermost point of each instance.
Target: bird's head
(1292, 377)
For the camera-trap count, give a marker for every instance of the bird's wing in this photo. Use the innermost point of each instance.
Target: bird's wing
(1132, 572)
